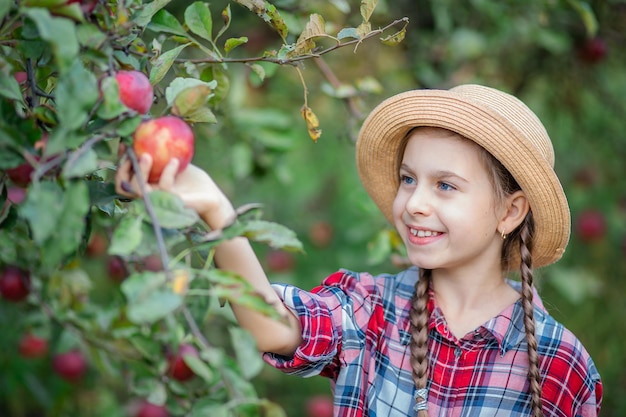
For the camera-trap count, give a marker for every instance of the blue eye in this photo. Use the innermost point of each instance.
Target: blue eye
(445, 186)
(405, 179)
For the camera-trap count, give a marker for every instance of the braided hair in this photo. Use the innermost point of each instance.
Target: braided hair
(520, 240)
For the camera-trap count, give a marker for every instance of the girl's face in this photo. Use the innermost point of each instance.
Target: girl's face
(445, 209)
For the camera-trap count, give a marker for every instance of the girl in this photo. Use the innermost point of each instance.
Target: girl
(466, 176)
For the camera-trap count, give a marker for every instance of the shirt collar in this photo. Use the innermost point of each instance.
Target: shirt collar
(507, 328)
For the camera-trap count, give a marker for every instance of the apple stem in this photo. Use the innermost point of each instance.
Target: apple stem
(155, 224)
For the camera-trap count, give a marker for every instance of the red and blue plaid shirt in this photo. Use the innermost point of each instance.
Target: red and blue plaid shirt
(356, 332)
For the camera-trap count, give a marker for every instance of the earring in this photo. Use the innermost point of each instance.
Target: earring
(502, 234)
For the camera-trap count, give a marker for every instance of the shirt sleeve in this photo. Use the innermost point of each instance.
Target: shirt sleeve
(336, 313)
(591, 407)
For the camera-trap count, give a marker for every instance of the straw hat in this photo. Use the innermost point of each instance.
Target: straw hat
(498, 122)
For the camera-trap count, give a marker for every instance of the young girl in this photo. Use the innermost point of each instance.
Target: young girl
(466, 176)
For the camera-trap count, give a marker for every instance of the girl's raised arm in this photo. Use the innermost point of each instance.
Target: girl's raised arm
(199, 192)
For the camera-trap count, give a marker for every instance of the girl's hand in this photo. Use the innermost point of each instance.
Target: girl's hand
(195, 188)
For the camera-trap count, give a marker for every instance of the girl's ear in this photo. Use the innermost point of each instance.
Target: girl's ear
(514, 211)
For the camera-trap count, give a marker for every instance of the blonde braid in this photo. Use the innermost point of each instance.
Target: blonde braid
(419, 340)
(526, 271)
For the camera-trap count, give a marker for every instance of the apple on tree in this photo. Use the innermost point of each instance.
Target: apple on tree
(178, 369)
(164, 138)
(135, 90)
(590, 225)
(71, 365)
(32, 346)
(147, 409)
(14, 283)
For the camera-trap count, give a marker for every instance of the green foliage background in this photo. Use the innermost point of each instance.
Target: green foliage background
(259, 151)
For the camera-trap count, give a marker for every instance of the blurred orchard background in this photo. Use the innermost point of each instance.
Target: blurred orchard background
(102, 321)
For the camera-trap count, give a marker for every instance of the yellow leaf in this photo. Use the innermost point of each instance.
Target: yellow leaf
(396, 38)
(314, 27)
(367, 8)
(312, 123)
(180, 283)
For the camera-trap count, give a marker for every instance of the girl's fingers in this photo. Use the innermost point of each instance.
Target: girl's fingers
(145, 163)
(169, 174)
(122, 176)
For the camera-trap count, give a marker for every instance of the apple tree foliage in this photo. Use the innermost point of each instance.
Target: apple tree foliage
(62, 123)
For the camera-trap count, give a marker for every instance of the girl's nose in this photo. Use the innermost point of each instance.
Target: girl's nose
(419, 202)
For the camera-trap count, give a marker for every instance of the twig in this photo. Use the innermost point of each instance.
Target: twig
(155, 224)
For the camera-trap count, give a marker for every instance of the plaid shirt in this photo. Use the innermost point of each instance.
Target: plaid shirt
(356, 332)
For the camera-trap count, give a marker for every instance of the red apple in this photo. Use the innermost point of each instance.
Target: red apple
(32, 346)
(321, 234)
(164, 138)
(591, 225)
(71, 365)
(592, 50)
(280, 261)
(135, 90)
(152, 263)
(16, 194)
(97, 245)
(116, 268)
(14, 283)
(178, 369)
(319, 406)
(20, 76)
(21, 174)
(147, 409)
(87, 6)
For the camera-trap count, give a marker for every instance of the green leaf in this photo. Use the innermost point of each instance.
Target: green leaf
(59, 32)
(126, 236)
(587, 15)
(162, 64)
(111, 106)
(200, 368)
(10, 89)
(209, 407)
(199, 20)
(242, 160)
(5, 6)
(77, 166)
(201, 115)
(148, 298)
(147, 11)
(246, 352)
(76, 94)
(348, 33)
(42, 209)
(394, 39)
(170, 211)
(90, 36)
(274, 234)
(232, 43)
(164, 21)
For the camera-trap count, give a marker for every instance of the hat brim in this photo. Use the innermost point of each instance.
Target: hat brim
(507, 139)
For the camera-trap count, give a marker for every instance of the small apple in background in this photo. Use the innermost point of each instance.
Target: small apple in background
(591, 225)
(135, 89)
(152, 263)
(16, 194)
(116, 268)
(178, 369)
(147, 409)
(164, 138)
(279, 261)
(87, 6)
(32, 346)
(21, 174)
(592, 50)
(321, 234)
(319, 406)
(71, 365)
(20, 76)
(97, 245)
(14, 283)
